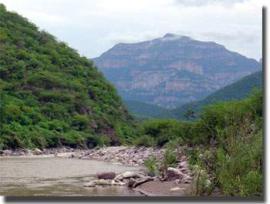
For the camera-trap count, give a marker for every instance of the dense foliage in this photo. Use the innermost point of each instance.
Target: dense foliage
(226, 141)
(50, 96)
(238, 90)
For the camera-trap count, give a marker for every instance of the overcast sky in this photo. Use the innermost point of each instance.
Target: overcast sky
(94, 26)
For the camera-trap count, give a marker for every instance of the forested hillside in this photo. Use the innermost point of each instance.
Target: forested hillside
(50, 96)
(143, 110)
(235, 91)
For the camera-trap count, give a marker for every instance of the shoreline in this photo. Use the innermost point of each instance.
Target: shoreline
(126, 155)
(177, 181)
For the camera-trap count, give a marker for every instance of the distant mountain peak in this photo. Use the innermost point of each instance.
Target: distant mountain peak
(172, 69)
(171, 36)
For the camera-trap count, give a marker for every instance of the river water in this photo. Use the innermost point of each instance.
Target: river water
(57, 177)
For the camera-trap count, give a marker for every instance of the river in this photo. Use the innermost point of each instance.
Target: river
(53, 176)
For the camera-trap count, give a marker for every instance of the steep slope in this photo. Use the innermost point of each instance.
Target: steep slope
(235, 91)
(172, 70)
(144, 110)
(50, 96)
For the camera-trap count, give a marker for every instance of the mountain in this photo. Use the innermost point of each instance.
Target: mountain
(172, 70)
(143, 110)
(50, 96)
(235, 91)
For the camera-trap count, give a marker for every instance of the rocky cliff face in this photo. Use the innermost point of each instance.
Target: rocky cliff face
(172, 70)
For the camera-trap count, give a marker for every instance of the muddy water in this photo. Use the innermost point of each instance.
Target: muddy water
(56, 177)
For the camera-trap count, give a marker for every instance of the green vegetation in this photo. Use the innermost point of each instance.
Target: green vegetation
(146, 111)
(151, 165)
(159, 166)
(50, 96)
(235, 91)
(226, 145)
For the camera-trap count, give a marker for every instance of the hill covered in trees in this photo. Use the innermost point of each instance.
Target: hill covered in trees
(51, 96)
(143, 110)
(235, 91)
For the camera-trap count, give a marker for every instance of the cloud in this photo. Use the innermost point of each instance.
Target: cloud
(92, 27)
(234, 36)
(208, 2)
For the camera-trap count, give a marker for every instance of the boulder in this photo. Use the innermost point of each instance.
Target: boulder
(106, 175)
(131, 182)
(131, 174)
(173, 174)
(37, 151)
(6, 152)
(127, 175)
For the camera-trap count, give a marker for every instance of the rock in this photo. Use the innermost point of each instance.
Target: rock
(103, 182)
(37, 151)
(141, 181)
(127, 174)
(6, 152)
(118, 183)
(106, 175)
(21, 152)
(65, 155)
(173, 174)
(131, 182)
(28, 152)
(90, 184)
(151, 174)
(176, 189)
(183, 164)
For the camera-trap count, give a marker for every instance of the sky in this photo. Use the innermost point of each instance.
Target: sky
(94, 26)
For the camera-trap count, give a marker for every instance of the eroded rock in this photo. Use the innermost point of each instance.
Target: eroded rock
(106, 175)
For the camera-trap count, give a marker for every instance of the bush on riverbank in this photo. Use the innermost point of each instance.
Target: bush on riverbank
(226, 141)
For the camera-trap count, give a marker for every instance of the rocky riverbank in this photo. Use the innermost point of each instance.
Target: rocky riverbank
(175, 180)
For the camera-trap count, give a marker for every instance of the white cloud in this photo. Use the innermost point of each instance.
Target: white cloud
(207, 2)
(92, 27)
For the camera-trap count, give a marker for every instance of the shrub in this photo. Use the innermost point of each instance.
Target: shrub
(152, 166)
(80, 122)
(144, 140)
(202, 184)
(170, 158)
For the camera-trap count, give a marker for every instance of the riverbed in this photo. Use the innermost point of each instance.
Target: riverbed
(51, 176)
